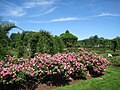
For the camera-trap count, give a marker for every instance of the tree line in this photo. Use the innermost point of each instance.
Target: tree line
(30, 42)
(100, 42)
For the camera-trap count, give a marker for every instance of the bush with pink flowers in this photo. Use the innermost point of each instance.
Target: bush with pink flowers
(45, 67)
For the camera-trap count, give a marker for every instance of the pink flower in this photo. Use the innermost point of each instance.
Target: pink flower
(64, 64)
(28, 67)
(4, 73)
(77, 64)
(40, 65)
(44, 54)
(20, 79)
(0, 68)
(58, 70)
(96, 61)
(48, 72)
(1, 62)
(14, 79)
(32, 74)
(69, 58)
(56, 67)
(27, 73)
(101, 67)
(9, 73)
(69, 71)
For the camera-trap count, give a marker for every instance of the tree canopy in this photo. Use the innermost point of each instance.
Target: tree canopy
(69, 39)
(5, 27)
(29, 42)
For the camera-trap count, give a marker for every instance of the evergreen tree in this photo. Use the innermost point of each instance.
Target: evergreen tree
(69, 39)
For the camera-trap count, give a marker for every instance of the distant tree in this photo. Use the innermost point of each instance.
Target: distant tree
(69, 39)
(101, 42)
(117, 39)
(96, 41)
(15, 39)
(113, 45)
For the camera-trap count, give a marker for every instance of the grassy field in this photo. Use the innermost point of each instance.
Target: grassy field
(110, 81)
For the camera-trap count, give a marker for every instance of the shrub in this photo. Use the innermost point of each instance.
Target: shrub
(45, 67)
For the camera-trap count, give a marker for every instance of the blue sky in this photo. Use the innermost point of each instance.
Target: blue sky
(83, 18)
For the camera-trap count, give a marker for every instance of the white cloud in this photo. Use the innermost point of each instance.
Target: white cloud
(56, 20)
(36, 22)
(10, 9)
(15, 12)
(59, 20)
(64, 19)
(106, 14)
(36, 3)
(44, 13)
(68, 19)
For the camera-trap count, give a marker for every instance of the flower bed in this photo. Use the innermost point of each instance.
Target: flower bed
(45, 67)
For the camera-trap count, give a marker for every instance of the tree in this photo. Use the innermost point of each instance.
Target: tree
(5, 27)
(69, 39)
(95, 39)
(59, 44)
(117, 39)
(15, 39)
(113, 45)
(45, 42)
(33, 43)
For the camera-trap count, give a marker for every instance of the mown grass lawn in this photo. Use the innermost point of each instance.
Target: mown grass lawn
(110, 81)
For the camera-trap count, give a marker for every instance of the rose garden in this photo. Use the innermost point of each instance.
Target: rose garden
(45, 67)
(30, 59)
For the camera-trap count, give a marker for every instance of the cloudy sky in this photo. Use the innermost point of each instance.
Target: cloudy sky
(84, 18)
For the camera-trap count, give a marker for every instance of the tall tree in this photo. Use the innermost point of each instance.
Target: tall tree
(59, 44)
(113, 45)
(117, 39)
(69, 39)
(45, 42)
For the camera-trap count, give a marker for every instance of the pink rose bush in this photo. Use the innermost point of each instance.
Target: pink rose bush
(45, 66)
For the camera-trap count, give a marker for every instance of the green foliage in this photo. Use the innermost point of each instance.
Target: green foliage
(59, 44)
(100, 42)
(69, 39)
(115, 60)
(45, 42)
(31, 42)
(5, 27)
(20, 51)
(117, 40)
(15, 40)
(113, 45)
